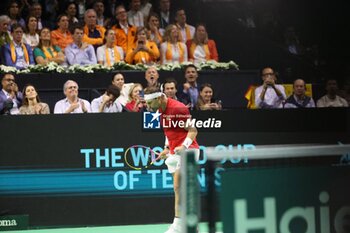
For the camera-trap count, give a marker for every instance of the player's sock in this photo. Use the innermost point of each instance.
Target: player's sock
(177, 220)
(177, 223)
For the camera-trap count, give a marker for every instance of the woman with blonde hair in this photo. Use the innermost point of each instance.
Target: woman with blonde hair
(172, 49)
(46, 52)
(136, 102)
(155, 33)
(31, 102)
(201, 48)
(143, 50)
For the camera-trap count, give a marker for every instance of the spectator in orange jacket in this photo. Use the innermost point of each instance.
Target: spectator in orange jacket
(143, 50)
(62, 37)
(201, 48)
(93, 33)
(125, 33)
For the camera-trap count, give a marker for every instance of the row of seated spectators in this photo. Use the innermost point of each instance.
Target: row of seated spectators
(121, 96)
(91, 43)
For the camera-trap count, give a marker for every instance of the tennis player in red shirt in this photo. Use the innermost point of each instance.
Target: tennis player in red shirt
(178, 137)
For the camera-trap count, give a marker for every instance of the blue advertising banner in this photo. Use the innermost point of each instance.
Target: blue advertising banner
(95, 169)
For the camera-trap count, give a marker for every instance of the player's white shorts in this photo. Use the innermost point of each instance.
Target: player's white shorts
(174, 161)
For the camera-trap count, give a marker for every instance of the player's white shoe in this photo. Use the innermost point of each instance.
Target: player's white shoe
(173, 228)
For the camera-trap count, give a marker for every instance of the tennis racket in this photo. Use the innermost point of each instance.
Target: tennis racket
(153, 156)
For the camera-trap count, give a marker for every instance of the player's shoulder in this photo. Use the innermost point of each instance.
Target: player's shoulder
(175, 103)
(176, 106)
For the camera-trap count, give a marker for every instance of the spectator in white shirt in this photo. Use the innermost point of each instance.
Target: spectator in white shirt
(108, 101)
(270, 94)
(72, 103)
(109, 53)
(186, 31)
(135, 15)
(331, 99)
(124, 88)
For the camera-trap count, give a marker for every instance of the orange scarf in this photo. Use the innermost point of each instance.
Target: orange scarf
(49, 52)
(116, 56)
(188, 33)
(206, 49)
(169, 52)
(13, 52)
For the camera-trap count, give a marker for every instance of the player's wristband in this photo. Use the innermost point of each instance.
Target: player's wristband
(166, 147)
(187, 142)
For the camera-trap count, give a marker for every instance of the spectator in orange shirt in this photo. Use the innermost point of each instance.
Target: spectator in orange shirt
(201, 48)
(93, 33)
(143, 51)
(125, 33)
(62, 37)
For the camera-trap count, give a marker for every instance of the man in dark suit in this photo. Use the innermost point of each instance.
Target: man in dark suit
(37, 11)
(166, 16)
(170, 90)
(191, 87)
(16, 53)
(10, 97)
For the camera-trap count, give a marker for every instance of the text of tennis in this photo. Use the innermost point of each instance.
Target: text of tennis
(156, 176)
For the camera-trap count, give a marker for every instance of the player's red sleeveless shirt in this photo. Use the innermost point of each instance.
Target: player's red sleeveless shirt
(175, 114)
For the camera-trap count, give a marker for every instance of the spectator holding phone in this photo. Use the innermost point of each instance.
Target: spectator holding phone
(205, 100)
(136, 99)
(143, 51)
(269, 94)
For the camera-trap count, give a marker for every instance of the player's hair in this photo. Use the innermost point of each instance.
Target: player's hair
(150, 90)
